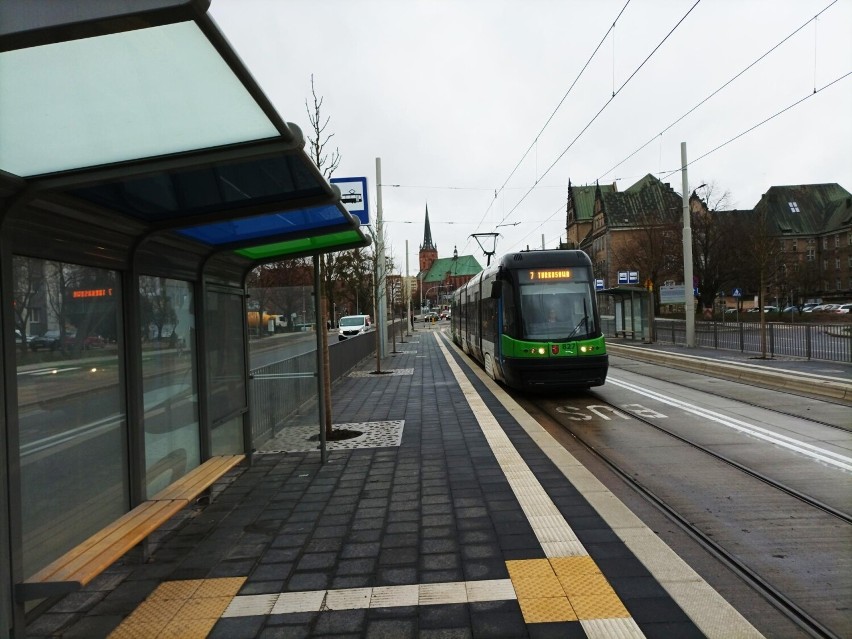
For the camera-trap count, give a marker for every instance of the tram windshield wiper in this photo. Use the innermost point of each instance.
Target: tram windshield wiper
(585, 321)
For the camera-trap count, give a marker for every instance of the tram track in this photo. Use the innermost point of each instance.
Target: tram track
(795, 613)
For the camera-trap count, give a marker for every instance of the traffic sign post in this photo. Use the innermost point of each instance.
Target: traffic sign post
(353, 196)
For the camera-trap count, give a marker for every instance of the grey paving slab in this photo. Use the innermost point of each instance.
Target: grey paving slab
(421, 500)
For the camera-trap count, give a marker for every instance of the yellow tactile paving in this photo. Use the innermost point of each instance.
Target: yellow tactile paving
(581, 565)
(586, 585)
(528, 568)
(204, 608)
(548, 588)
(547, 609)
(137, 630)
(223, 587)
(180, 609)
(187, 629)
(156, 611)
(598, 606)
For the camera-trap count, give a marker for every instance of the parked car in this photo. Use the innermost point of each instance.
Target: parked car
(844, 309)
(352, 325)
(791, 309)
(826, 308)
(430, 317)
(49, 340)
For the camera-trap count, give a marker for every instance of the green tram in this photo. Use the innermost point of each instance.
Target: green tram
(532, 321)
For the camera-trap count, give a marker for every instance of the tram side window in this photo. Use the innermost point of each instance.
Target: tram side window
(508, 299)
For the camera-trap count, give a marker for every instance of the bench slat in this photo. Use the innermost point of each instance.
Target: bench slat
(199, 479)
(109, 544)
(87, 560)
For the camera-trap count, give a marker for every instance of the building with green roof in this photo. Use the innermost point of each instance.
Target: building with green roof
(439, 276)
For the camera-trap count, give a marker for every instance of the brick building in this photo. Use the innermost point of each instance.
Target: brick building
(440, 276)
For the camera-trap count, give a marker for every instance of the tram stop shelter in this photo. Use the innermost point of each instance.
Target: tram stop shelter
(633, 308)
(143, 174)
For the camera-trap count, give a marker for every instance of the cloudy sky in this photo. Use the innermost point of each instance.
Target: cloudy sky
(484, 109)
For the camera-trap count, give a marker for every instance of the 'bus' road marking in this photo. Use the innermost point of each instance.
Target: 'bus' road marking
(815, 452)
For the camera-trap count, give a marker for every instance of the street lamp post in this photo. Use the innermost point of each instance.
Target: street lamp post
(689, 294)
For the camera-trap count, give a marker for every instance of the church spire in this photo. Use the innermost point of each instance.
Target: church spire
(427, 234)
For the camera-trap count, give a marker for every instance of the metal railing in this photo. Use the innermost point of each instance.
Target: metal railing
(830, 342)
(287, 388)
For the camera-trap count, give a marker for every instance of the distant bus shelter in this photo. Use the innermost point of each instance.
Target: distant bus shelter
(632, 310)
(143, 174)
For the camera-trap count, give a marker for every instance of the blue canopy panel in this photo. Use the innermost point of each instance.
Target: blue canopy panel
(315, 220)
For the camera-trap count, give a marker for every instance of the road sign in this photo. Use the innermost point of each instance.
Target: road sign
(737, 293)
(353, 195)
(622, 277)
(673, 294)
(599, 285)
(633, 277)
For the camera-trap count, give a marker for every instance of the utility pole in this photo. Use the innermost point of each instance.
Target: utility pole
(689, 295)
(407, 292)
(381, 320)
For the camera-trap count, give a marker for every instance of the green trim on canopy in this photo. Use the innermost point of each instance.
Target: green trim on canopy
(304, 246)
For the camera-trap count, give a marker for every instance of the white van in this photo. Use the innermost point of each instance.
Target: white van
(352, 325)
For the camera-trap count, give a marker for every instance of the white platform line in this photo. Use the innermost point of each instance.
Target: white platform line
(713, 615)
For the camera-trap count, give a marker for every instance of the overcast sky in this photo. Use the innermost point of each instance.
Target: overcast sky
(451, 95)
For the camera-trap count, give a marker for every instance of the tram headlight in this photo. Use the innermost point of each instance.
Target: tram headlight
(541, 350)
(585, 349)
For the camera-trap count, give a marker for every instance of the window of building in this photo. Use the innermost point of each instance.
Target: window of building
(825, 242)
(836, 263)
(811, 255)
(795, 245)
(794, 206)
(837, 285)
(811, 241)
(837, 241)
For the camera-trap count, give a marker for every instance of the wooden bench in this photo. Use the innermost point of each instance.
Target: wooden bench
(87, 560)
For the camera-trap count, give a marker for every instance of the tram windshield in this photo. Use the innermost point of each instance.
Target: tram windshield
(557, 311)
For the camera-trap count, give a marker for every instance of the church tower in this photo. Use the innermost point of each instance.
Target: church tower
(428, 250)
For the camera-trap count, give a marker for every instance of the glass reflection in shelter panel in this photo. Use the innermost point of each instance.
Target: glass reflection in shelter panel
(170, 394)
(227, 399)
(557, 310)
(70, 401)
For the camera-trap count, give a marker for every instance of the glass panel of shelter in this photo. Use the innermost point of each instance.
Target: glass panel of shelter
(72, 421)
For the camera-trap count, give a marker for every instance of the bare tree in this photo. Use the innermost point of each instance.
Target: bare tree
(28, 279)
(758, 250)
(714, 263)
(327, 165)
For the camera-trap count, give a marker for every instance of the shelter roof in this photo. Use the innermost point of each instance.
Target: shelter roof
(142, 118)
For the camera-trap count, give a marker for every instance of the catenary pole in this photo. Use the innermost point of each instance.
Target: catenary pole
(407, 289)
(689, 296)
(381, 320)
